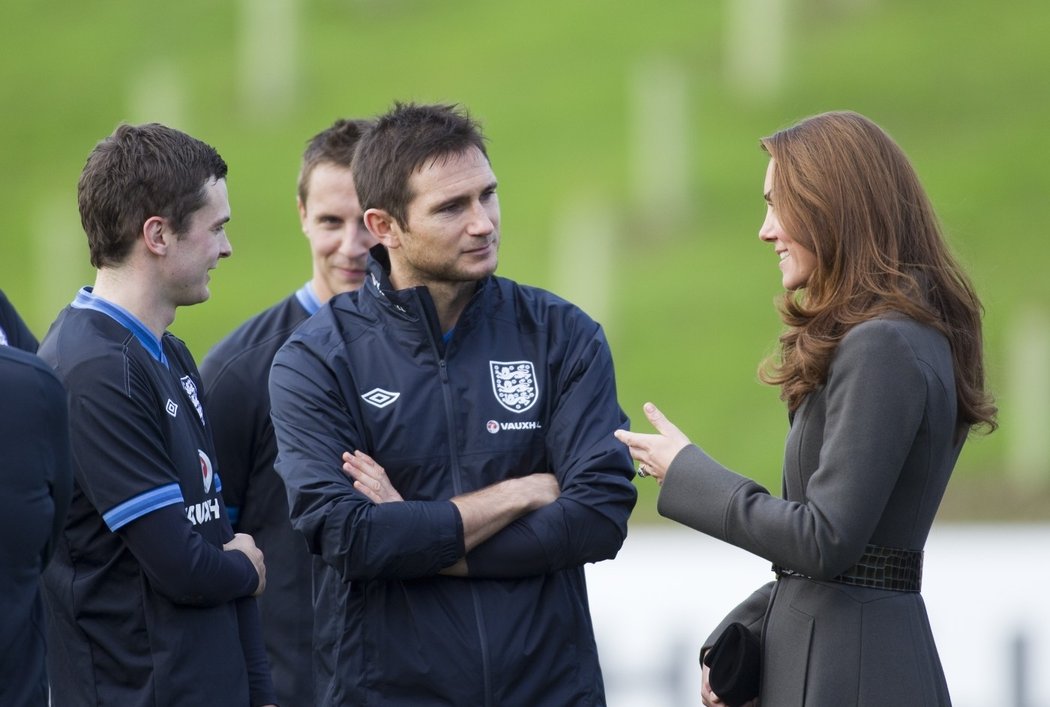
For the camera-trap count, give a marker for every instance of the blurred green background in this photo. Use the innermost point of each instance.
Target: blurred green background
(625, 138)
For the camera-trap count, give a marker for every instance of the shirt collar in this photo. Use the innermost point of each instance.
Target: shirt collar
(86, 299)
(308, 298)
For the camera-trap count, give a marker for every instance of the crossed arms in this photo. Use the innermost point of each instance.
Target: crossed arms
(520, 526)
(483, 513)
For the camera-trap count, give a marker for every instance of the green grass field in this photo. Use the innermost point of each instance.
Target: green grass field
(686, 294)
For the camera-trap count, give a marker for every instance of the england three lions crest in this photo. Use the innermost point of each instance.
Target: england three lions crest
(514, 383)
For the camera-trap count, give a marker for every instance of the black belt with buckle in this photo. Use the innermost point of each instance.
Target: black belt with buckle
(879, 568)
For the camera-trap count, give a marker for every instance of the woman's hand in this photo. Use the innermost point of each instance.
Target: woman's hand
(369, 478)
(654, 452)
(709, 698)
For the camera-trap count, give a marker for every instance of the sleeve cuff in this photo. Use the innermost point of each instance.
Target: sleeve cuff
(697, 490)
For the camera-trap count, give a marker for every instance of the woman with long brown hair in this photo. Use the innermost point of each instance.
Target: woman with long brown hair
(881, 368)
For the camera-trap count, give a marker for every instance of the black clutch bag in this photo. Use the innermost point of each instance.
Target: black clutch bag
(735, 665)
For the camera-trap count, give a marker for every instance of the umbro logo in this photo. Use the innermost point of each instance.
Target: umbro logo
(379, 397)
(171, 408)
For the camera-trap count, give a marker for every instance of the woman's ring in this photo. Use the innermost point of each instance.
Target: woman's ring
(642, 471)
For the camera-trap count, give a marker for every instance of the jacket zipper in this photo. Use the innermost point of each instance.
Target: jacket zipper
(457, 487)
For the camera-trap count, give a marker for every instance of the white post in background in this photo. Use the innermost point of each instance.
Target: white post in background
(60, 257)
(156, 95)
(267, 57)
(661, 145)
(756, 46)
(585, 236)
(1028, 389)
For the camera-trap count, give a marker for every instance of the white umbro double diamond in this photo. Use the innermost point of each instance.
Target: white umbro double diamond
(172, 408)
(379, 397)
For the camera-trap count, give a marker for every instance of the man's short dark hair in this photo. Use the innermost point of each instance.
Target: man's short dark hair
(334, 145)
(138, 172)
(404, 141)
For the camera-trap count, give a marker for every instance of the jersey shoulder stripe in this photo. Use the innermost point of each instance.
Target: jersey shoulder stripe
(138, 506)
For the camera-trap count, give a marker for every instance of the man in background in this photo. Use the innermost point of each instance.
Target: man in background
(483, 475)
(235, 374)
(150, 594)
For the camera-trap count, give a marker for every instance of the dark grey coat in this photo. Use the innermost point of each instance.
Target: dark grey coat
(866, 461)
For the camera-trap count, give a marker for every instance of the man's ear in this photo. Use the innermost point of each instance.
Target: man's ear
(156, 235)
(383, 226)
(302, 211)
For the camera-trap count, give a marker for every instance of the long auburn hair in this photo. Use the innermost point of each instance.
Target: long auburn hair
(845, 190)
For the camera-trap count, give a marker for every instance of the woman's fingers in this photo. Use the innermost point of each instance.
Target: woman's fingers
(634, 440)
(660, 421)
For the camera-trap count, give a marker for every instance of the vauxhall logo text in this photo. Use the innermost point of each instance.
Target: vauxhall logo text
(494, 427)
(203, 512)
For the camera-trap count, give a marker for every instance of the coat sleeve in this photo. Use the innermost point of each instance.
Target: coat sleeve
(751, 613)
(358, 538)
(588, 522)
(875, 402)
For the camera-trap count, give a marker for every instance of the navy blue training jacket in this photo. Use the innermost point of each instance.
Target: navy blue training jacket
(525, 385)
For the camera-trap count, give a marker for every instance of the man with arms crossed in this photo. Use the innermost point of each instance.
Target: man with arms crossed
(150, 593)
(453, 573)
(235, 374)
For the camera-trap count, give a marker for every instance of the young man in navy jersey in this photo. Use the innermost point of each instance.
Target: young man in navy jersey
(483, 475)
(150, 594)
(235, 375)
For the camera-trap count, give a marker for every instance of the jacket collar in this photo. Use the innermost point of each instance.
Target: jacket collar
(404, 301)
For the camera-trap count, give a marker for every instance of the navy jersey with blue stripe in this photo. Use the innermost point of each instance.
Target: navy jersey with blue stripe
(141, 447)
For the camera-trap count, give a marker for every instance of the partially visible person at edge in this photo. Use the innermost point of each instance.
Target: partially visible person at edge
(150, 594)
(881, 369)
(13, 331)
(480, 475)
(36, 479)
(235, 374)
